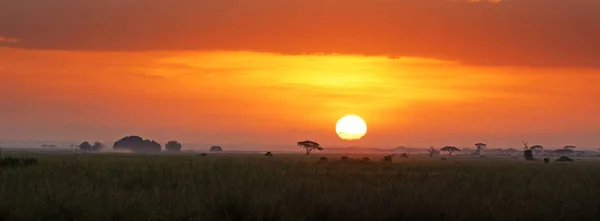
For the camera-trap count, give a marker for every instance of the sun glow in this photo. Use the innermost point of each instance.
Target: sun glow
(351, 127)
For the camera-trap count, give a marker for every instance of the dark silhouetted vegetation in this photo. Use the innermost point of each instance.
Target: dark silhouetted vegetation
(388, 158)
(216, 149)
(13, 162)
(287, 188)
(564, 159)
(137, 144)
(450, 149)
(323, 159)
(309, 146)
(85, 146)
(527, 151)
(480, 147)
(269, 154)
(173, 146)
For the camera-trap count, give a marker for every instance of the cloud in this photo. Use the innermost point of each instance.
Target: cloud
(557, 33)
(4, 39)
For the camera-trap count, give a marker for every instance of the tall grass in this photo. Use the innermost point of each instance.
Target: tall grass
(120, 187)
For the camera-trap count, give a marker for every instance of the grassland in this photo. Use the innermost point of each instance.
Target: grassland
(296, 187)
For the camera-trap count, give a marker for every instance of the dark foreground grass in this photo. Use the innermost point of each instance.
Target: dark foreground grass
(114, 187)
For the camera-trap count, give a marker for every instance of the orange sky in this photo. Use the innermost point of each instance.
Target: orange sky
(267, 98)
(263, 72)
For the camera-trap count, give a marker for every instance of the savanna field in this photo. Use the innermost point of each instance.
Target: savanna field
(296, 187)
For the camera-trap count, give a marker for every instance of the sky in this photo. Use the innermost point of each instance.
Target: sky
(274, 72)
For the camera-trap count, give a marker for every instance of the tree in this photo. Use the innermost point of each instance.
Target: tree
(85, 146)
(173, 146)
(216, 149)
(97, 146)
(537, 148)
(527, 152)
(480, 146)
(450, 149)
(570, 147)
(137, 144)
(433, 152)
(309, 146)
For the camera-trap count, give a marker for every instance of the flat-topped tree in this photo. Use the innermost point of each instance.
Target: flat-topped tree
(480, 146)
(450, 149)
(309, 146)
(537, 148)
(570, 147)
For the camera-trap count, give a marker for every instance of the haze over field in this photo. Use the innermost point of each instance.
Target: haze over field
(268, 73)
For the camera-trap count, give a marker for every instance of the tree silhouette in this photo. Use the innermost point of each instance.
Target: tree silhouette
(173, 146)
(216, 149)
(450, 149)
(388, 158)
(527, 152)
(537, 148)
(480, 146)
(570, 147)
(137, 144)
(85, 146)
(97, 146)
(48, 146)
(432, 151)
(309, 146)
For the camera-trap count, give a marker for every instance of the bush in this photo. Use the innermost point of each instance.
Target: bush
(17, 162)
(564, 159)
(216, 149)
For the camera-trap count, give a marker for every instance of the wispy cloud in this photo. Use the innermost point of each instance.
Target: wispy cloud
(540, 33)
(4, 39)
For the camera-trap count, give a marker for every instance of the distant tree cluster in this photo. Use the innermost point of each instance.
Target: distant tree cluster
(137, 144)
(86, 146)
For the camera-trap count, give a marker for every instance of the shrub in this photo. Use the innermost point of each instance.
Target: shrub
(17, 162)
(564, 159)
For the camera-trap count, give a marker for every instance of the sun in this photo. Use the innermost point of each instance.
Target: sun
(351, 127)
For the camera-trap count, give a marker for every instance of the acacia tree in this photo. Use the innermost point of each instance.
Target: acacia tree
(527, 152)
(432, 151)
(537, 148)
(309, 146)
(450, 149)
(480, 146)
(173, 146)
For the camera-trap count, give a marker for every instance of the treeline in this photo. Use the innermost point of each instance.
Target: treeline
(139, 144)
